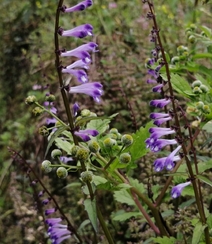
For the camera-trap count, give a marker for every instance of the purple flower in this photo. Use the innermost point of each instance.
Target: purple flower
(85, 56)
(151, 81)
(93, 89)
(160, 143)
(79, 74)
(78, 64)
(177, 190)
(156, 132)
(158, 115)
(159, 163)
(75, 108)
(84, 134)
(50, 211)
(79, 31)
(169, 163)
(78, 7)
(65, 159)
(157, 88)
(51, 121)
(57, 232)
(160, 103)
(159, 122)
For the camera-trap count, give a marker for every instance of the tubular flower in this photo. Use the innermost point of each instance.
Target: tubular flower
(93, 89)
(57, 232)
(169, 163)
(160, 163)
(157, 88)
(80, 31)
(78, 7)
(177, 190)
(160, 103)
(85, 56)
(78, 64)
(85, 134)
(160, 143)
(79, 74)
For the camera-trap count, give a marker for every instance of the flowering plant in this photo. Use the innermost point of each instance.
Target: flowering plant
(83, 143)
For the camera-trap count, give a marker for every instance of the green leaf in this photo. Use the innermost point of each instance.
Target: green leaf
(202, 55)
(135, 183)
(123, 196)
(124, 216)
(138, 148)
(99, 180)
(100, 125)
(164, 240)
(187, 203)
(53, 137)
(208, 127)
(209, 221)
(90, 207)
(64, 145)
(203, 166)
(204, 179)
(197, 233)
(181, 85)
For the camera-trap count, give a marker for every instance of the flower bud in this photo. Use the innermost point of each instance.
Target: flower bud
(74, 150)
(127, 140)
(46, 166)
(108, 142)
(195, 123)
(62, 173)
(114, 131)
(82, 154)
(78, 122)
(93, 114)
(197, 90)
(175, 60)
(93, 146)
(196, 83)
(125, 158)
(181, 49)
(37, 111)
(204, 88)
(206, 109)
(199, 105)
(87, 176)
(85, 113)
(50, 98)
(56, 153)
(192, 39)
(43, 130)
(30, 99)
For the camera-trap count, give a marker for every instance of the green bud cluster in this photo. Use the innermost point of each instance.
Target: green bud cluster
(109, 142)
(182, 50)
(82, 154)
(43, 130)
(203, 107)
(93, 146)
(50, 98)
(30, 100)
(127, 140)
(86, 176)
(56, 153)
(46, 166)
(125, 158)
(175, 59)
(37, 111)
(62, 173)
(198, 87)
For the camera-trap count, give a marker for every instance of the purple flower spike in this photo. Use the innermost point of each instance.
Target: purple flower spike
(157, 88)
(177, 190)
(78, 7)
(93, 89)
(53, 221)
(84, 134)
(79, 74)
(169, 163)
(160, 143)
(160, 103)
(79, 31)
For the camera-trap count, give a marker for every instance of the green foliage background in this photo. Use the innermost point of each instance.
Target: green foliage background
(27, 59)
